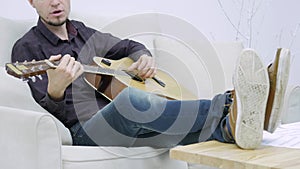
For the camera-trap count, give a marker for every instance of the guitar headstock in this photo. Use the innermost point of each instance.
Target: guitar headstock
(26, 70)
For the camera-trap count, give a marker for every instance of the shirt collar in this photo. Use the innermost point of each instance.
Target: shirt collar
(72, 32)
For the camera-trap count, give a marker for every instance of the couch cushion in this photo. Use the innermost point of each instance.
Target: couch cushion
(17, 93)
(118, 157)
(14, 29)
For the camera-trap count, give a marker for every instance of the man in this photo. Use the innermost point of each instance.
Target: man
(134, 117)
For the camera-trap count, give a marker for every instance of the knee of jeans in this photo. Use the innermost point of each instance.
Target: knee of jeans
(129, 98)
(139, 99)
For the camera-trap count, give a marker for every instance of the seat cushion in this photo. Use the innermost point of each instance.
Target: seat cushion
(78, 157)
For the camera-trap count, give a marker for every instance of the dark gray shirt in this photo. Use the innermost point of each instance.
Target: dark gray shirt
(80, 101)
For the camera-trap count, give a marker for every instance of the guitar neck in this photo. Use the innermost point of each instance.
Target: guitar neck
(101, 70)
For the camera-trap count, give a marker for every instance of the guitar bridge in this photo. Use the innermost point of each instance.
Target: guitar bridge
(139, 79)
(135, 77)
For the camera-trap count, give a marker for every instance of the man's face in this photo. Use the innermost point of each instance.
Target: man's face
(52, 12)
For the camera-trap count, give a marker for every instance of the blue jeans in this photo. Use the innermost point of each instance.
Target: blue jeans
(137, 118)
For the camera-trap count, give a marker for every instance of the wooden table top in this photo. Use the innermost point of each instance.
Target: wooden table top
(222, 155)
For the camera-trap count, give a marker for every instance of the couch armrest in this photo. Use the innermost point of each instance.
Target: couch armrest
(29, 140)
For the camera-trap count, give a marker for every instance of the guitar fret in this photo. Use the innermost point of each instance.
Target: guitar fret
(99, 70)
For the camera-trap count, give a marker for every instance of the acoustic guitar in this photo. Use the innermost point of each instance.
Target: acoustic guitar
(109, 77)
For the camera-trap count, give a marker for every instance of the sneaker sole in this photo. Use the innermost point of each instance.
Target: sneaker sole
(252, 88)
(280, 89)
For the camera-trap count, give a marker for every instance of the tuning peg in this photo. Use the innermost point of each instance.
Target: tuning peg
(33, 78)
(40, 77)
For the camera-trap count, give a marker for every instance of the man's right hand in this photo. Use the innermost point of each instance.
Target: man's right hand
(60, 78)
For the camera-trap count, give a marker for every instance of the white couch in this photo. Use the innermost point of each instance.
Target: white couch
(31, 138)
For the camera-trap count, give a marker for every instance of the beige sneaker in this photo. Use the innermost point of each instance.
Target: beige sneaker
(250, 97)
(278, 75)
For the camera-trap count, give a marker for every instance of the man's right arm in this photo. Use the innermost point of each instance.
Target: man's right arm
(39, 89)
(60, 78)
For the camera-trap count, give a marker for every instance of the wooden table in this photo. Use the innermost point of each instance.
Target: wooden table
(224, 155)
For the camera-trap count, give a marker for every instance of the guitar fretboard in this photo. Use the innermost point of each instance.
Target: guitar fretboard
(103, 71)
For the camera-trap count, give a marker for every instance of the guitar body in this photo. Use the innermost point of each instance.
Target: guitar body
(111, 84)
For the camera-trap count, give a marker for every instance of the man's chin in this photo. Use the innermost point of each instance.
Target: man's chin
(55, 23)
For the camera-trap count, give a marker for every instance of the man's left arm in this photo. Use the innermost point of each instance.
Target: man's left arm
(111, 47)
(144, 62)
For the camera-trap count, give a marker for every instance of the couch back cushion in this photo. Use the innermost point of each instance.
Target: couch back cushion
(11, 30)
(16, 93)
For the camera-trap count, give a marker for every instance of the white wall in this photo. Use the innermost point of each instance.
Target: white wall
(262, 24)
